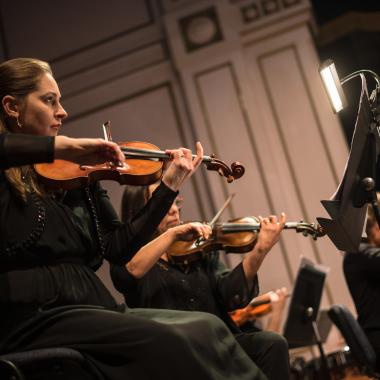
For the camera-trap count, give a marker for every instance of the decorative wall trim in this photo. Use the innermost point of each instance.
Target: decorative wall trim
(205, 179)
(112, 77)
(182, 135)
(197, 77)
(347, 24)
(321, 133)
(117, 101)
(110, 38)
(250, 12)
(264, 11)
(286, 150)
(200, 29)
(290, 3)
(252, 141)
(279, 31)
(113, 58)
(307, 87)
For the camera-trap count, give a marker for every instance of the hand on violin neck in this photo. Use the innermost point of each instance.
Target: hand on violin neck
(268, 236)
(270, 230)
(87, 151)
(190, 231)
(181, 166)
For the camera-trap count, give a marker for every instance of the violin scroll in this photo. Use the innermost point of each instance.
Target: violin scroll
(312, 229)
(236, 170)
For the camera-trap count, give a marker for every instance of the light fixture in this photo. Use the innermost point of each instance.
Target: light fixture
(333, 84)
(358, 186)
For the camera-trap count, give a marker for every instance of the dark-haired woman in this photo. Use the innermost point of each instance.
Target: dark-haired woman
(153, 279)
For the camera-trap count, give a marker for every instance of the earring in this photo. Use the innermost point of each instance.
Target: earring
(18, 122)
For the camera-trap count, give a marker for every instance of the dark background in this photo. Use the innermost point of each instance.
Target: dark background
(358, 49)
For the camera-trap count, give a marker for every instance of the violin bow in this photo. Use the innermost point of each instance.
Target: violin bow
(221, 210)
(107, 131)
(215, 218)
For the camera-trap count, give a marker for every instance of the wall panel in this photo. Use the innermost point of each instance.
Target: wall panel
(65, 28)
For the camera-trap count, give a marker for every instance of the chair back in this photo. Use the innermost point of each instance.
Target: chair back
(360, 347)
(72, 364)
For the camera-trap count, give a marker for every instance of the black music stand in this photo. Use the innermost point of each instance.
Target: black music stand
(348, 206)
(301, 327)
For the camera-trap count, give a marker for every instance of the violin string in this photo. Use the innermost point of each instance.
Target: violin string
(131, 152)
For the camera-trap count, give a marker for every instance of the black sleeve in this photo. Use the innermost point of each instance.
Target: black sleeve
(20, 149)
(122, 279)
(367, 260)
(232, 289)
(123, 240)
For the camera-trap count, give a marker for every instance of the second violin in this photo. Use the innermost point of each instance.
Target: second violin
(236, 236)
(261, 306)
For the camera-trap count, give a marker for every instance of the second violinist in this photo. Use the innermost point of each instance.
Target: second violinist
(154, 281)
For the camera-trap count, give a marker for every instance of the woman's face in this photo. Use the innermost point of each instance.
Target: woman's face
(41, 112)
(172, 218)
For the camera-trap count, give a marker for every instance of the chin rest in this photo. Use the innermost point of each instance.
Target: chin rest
(360, 347)
(60, 362)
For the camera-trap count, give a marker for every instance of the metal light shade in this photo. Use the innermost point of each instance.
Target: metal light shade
(333, 85)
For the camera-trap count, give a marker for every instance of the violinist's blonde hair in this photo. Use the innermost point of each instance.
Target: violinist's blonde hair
(18, 78)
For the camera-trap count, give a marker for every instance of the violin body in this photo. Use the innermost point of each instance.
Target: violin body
(236, 242)
(237, 236)
(260, 306)
(68, 175)
(250, 312)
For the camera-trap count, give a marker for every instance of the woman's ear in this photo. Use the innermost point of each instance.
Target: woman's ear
(11, 106)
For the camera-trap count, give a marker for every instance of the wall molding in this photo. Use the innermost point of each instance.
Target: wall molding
(347, 24)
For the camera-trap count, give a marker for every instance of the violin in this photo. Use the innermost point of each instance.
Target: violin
(236, 236)
(258, 307)
(143, 165)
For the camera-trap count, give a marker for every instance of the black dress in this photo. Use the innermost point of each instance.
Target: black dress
(206, 285)
(50, 295)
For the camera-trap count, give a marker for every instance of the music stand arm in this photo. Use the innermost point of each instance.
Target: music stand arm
(318, 341)
(322, 355)
(366, 189)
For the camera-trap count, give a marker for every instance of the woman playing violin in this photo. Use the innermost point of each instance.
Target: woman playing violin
(51, 244)
(155, 281)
